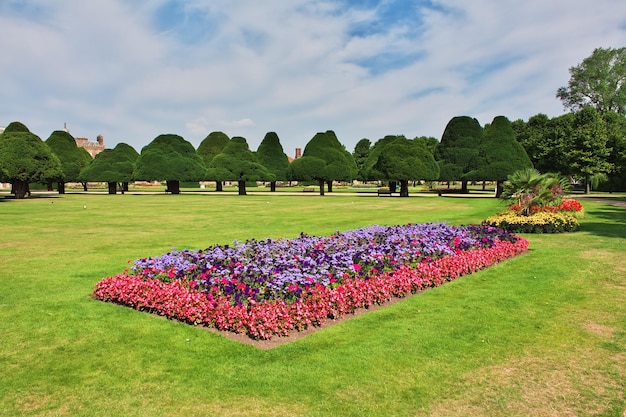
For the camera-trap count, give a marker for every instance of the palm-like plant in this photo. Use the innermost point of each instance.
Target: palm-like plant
(529, 188)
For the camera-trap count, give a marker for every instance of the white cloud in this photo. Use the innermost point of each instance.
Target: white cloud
(125, 71)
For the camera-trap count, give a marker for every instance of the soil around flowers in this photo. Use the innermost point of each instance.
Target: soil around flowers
(294, 335)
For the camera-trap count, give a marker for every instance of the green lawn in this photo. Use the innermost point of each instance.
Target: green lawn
(542, 334)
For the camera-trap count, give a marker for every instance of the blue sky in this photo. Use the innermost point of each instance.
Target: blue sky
(365, 69)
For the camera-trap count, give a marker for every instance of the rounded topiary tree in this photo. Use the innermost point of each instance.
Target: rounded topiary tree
(73, 160)
(457, 151)
(499, 154)
(16, 127)
(271, 155)
(361, 153)
(25, 158)
(112, 166)
(337, 163)
(405, 160)
(171, 158)
(237, 163)
(211, 146)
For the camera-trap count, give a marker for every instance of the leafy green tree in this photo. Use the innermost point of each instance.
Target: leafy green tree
(586, 150)
(616, 133)
(598, 81)
(458, 149)
(544, 140)
(169, 157)
(405, 160)
(72, 159)
(271, 155)
(211, 146)
(25, 158)
(338, 164)
(113, 166)
(500, 155)
(360, 154)
(236, 162)
(370, 173)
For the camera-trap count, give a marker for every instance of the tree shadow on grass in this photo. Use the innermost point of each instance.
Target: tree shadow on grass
(11, 197)
(613, 226)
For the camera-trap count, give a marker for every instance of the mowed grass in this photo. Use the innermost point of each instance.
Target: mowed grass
(541, 334)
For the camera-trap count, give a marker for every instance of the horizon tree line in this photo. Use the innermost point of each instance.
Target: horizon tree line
(584, 145)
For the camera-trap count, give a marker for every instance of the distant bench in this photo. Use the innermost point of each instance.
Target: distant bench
(308, 190)
(383, 191)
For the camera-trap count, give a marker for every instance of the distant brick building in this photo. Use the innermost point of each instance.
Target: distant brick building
(94, 148)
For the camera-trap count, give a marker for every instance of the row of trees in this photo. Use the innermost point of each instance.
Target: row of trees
(584, 144)
(466, 152)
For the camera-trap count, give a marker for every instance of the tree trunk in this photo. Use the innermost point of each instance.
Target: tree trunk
(112, 187)
(499, 189)
(124, 186)
(393, 185)
(464, 189)
(241, 185)
(120, 186)
(84, 185)
(321, 184)
(330, 186)
(218, 186)
(61, 187)
(587, 184)
(485, 185)
(273, 186)
(173, 186)
(50, 186)
(20, 189)
(404, 188)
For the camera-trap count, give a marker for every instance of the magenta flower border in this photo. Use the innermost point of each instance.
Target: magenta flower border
(263, 320)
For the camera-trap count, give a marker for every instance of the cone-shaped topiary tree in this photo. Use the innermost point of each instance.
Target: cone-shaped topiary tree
(171, 158)
(237, 163)
(211, 146)
(361, 153)
(405, 160)
(112, 166)
(271, 155)
(16, 127)
(338, 163)
(73, 160)
(499, 155)
(458, 149)
(25, 158)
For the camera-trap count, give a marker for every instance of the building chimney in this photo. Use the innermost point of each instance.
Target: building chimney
(298, 153)
(100, 139)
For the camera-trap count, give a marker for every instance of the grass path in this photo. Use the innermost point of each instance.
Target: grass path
(542, 334)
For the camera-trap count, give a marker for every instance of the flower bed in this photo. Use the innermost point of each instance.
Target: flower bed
(541, 222)
(272, 287)
(555, 218)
